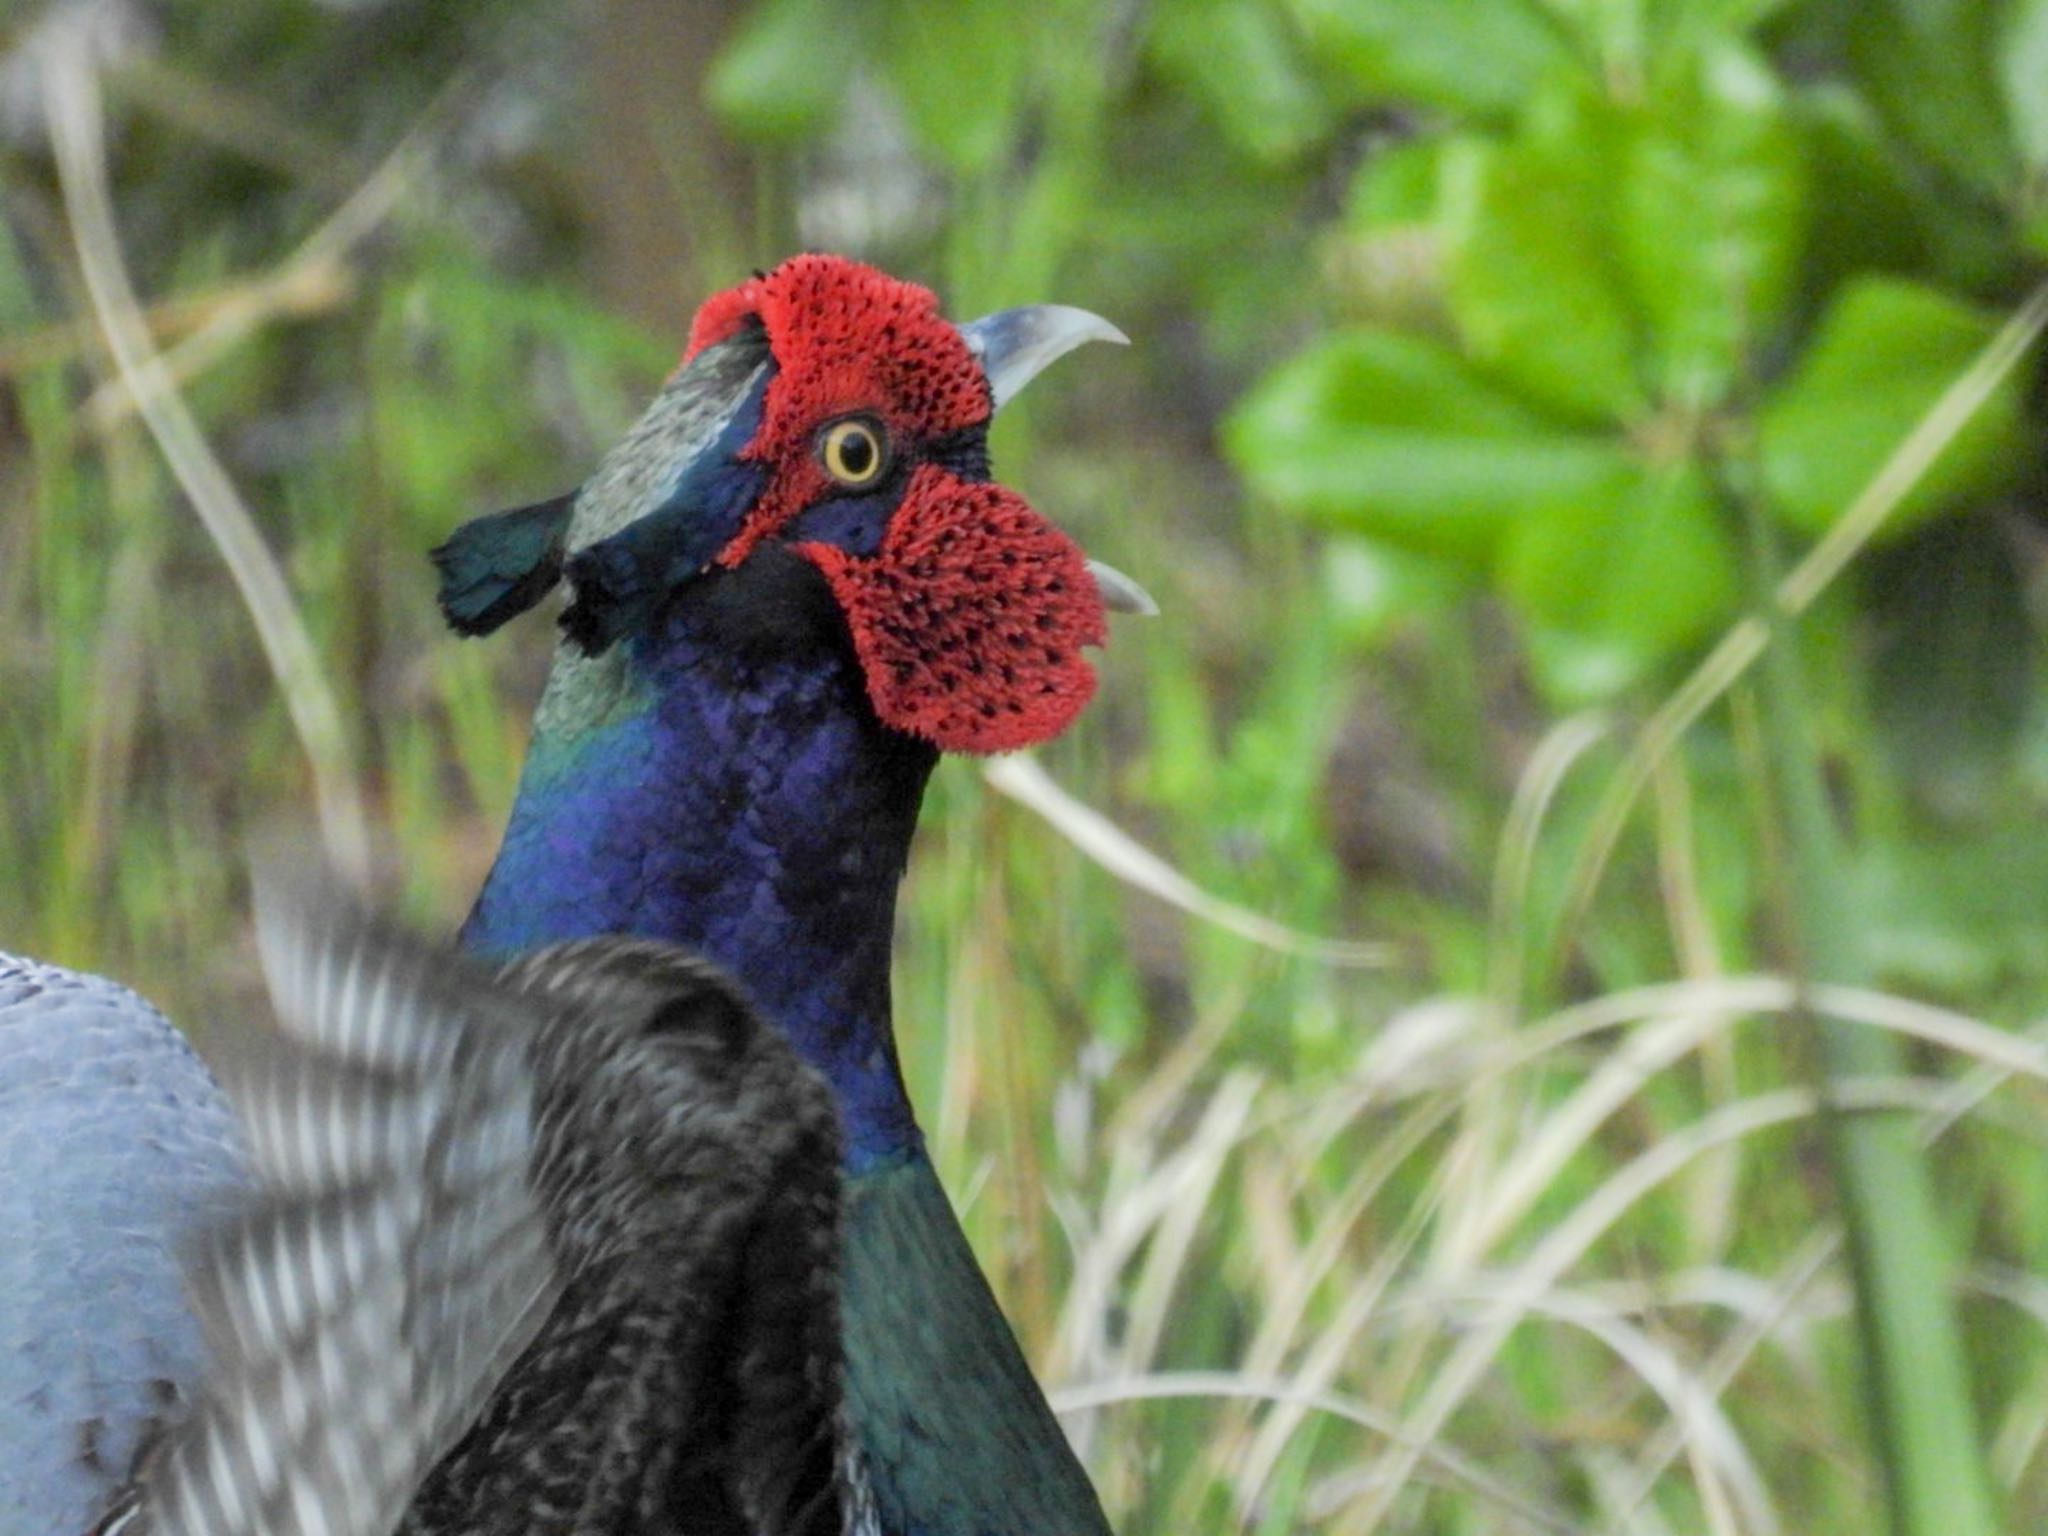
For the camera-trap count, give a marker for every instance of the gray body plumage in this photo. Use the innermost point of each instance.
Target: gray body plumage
(115, 1144)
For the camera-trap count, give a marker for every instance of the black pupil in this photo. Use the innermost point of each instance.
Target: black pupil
(856, 453)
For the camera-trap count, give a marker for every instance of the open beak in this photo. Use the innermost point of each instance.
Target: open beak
(1120, 594)
(1014, 346)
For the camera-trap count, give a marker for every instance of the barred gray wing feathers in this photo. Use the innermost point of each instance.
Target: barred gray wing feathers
(362, 1316)
(561, 1239)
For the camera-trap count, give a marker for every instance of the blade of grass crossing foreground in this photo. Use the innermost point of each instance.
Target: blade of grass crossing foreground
(1915, 1378)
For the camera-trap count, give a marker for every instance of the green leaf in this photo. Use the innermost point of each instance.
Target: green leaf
(1956, 915)
(1400, 184)
(1620, 578)
(2023, 71)
(1711, 214)
(1877, 208)
(1684, 23)
(1239, 59)
(1376, 587)
(1885, 352)
(773, 80)
(958, 70)
(1384, 260)
(1928, 66)
(1871, 215)
(1953, 660)
(1397, 437)
(1478, 56)
(1529, 274)
(1574, 670)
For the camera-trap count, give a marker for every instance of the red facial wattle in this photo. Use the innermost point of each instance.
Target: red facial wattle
(970, 619)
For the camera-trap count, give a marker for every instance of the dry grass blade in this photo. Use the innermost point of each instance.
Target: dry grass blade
(1146, 1194)
(77, 129)
(294, 291)
(1562, 746)
(1995, 1049)
(1722, 1367)
(1226, 1386)
(2019, 1438)
(1525, 1287)
(1544, 1151)
(317, 271)
(1201, 1165)
(1722, 1461)
(1951, 1105)
(1333, 1347)
(1020, 777)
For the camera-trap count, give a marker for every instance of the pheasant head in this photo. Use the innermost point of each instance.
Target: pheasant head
(827, 420)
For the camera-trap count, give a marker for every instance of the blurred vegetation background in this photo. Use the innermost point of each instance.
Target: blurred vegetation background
(1510, 375)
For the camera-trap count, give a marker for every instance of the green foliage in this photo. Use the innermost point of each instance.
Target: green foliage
(1666, 264)
(1615, 266)
(1712, 205)
(1399, 437)
(2022, 66)
(1238, 58)
(1638, 566)
(773, 80)
(1631, 251)
(1928, 66)
(1463, 55)
(1879, 358)
(1529, 278)
(957, 72)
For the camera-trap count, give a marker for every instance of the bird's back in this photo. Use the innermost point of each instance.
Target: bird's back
(115, 1146)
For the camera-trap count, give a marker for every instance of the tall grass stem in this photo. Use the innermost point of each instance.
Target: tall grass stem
(77, 130)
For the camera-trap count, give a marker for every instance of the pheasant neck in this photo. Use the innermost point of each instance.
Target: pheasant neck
(721, 782)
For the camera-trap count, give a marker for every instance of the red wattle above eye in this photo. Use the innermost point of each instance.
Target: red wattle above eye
(970, 619)
(847, 340)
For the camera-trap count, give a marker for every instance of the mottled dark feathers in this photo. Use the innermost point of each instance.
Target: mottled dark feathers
(619, 582)
(495, 568)
(554, 1249)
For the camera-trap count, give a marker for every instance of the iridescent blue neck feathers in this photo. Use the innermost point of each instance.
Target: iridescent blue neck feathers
(720, 781)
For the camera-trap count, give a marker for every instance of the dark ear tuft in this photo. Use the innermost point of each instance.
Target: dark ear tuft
(617, 584)
(605, 593)
(495, 568)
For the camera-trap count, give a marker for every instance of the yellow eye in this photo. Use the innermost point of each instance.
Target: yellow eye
(853, 452)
